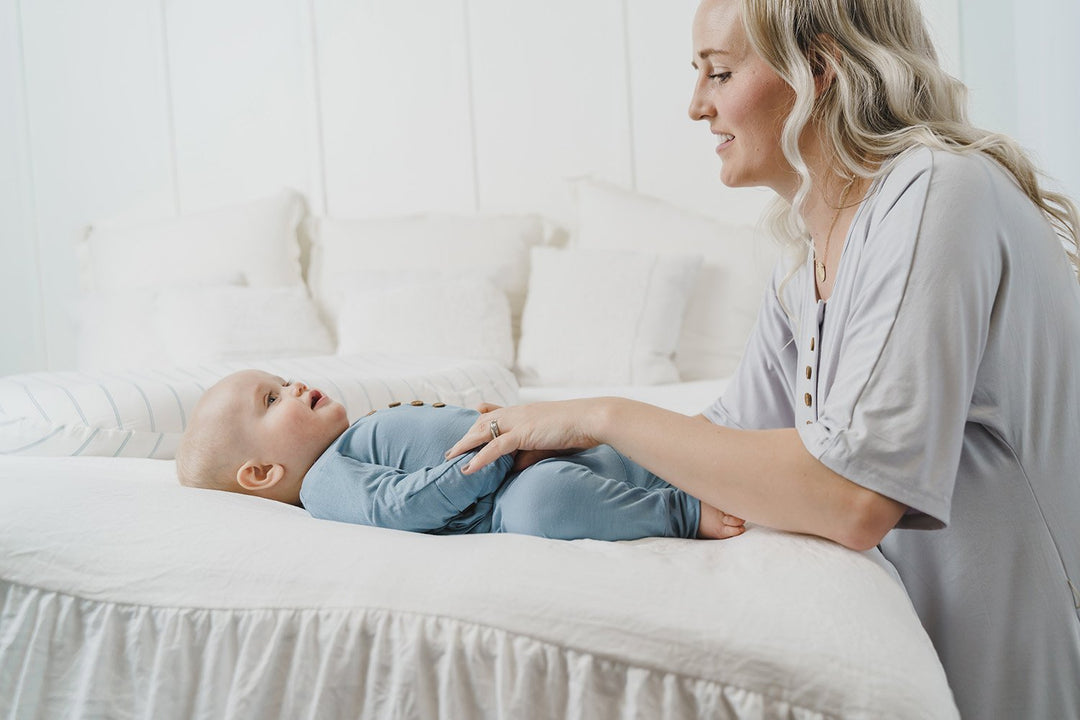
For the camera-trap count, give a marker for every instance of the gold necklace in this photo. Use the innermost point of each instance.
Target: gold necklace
(819, 265)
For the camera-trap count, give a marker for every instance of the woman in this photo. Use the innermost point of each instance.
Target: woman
(914, 383)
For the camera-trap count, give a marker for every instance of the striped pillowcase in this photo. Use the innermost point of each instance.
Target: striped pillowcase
(143, 413)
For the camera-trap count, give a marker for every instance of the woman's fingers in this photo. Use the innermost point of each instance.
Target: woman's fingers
(488, 454)
(487, 407)
(477, 435)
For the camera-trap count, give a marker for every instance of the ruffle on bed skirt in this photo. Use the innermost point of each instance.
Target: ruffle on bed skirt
(62, 656)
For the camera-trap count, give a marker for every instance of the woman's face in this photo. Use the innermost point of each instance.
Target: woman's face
(744, 102)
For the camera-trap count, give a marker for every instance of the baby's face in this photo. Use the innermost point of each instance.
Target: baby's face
(281, 421)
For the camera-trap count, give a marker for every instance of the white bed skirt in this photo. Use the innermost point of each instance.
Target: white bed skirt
(89, 659)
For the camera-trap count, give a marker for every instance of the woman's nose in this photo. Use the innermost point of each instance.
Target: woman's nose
(699, 108)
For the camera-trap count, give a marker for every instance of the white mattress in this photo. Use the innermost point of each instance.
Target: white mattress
(125, 595)
(688, 398)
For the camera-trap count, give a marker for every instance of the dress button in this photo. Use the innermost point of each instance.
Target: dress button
(393, 404)
(809, 422)
(809, 400)
(417, 403)
(811, 344)
(370, 413)
(809, 372)
(438, 404)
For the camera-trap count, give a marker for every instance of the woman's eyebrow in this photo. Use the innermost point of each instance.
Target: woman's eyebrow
(706, 54)
(709, 52)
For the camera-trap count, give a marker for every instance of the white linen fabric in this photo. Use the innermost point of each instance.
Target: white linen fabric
(942, 372)
(603, 317)
(489, 247)
(432, 312)
(125, 595)
(142, 413)
(256, 240)
(728, 290)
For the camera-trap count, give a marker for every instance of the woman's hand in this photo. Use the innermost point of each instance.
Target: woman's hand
(525, 458)
(549, 427)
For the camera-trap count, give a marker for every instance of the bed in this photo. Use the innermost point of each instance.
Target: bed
(124, 595)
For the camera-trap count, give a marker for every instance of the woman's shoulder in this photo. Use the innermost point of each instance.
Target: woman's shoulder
(947, 174)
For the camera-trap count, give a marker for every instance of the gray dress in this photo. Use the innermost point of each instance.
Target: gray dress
(944, 372)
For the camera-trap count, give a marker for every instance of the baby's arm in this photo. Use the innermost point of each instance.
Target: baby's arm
(424, 500)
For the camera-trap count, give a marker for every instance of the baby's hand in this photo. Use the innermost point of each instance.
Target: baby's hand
(715, 524)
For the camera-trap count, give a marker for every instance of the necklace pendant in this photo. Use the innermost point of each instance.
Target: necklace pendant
(820, 268)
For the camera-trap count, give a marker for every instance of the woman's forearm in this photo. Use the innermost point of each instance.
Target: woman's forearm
(764, 476)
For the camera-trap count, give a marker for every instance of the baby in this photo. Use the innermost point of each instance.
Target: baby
(257, 434)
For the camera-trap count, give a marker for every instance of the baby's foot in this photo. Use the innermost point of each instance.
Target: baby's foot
(717, 525)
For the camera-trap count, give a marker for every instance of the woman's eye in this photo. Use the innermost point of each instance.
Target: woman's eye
(721, 77)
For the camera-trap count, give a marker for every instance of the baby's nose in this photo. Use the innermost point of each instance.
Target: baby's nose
(301, 388)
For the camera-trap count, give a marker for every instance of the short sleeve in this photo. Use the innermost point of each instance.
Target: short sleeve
(760, 393)
(912, 323)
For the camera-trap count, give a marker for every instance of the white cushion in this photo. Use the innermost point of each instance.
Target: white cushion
(255, 241)
(239, 323)
(142, 413)
(144, 327)
(738, 261)
(426, 313)
(603, 317)
(495, 248)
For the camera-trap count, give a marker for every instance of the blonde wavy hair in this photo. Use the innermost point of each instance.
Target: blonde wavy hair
(889, 93)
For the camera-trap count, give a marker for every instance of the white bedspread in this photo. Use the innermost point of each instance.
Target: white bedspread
(124, 595)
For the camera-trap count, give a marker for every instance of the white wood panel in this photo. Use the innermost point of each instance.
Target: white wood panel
(675, 155)
(1048, 94)
(22, 342)
(241, 101)
(550, 97)
(943, 19)
(395, 107)
(97, 134)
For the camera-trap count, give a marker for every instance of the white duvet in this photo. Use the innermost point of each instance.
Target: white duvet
(125, 595)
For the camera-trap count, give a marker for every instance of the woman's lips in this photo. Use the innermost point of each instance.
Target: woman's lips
(723, 141)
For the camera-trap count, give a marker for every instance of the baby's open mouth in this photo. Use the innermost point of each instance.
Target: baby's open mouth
(315, 396)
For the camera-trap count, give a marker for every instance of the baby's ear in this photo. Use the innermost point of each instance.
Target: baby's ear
(258, 477)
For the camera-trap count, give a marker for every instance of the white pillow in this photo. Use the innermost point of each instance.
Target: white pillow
(428, 314)
(142, 413)
(256, 241)
(603, 317)
(495, 248)
(239, 323)
(151, 328)
(738, 261)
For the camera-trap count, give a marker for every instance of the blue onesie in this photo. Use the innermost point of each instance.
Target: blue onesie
(389, 470)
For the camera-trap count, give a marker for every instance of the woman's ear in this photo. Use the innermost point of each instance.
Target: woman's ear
(257, 477)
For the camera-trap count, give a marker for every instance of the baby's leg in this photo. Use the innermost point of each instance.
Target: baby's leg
(597, 496)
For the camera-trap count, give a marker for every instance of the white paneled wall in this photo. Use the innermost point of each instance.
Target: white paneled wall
(149, 108)
(22, 332)
(394, 83)
(243, 118)
(551, 99)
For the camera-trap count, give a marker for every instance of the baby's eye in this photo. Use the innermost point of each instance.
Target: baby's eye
(270, 399)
